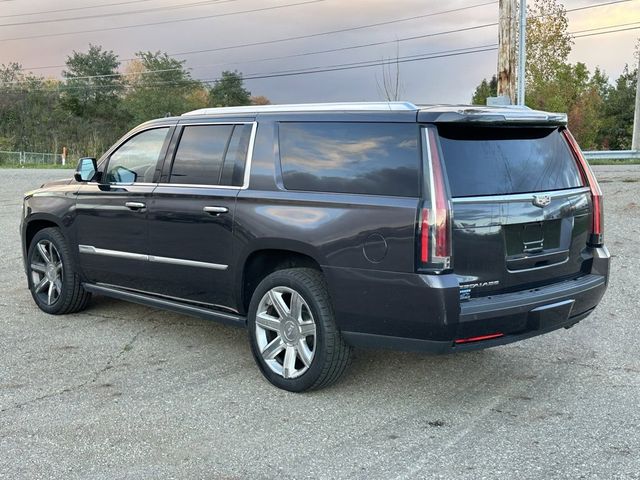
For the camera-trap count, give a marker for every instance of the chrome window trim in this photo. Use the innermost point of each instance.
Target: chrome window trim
(521, 196)
(198, 185)
(247, 161)
(183, 123)
(91, 250)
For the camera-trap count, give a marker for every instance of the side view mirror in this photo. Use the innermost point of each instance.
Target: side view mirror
(86, 169)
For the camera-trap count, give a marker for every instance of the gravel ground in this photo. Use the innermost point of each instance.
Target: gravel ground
(124, 391)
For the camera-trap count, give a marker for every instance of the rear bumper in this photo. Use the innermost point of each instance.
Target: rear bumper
(440, 323)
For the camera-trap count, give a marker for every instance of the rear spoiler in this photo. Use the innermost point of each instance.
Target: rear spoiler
(507, 115)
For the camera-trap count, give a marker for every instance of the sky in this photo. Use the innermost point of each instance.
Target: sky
(449, 79)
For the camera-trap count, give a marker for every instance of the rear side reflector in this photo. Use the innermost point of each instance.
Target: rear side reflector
(480, 338)
(597, 224)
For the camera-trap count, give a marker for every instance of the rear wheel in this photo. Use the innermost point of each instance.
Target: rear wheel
(54, 284)
(292, 331)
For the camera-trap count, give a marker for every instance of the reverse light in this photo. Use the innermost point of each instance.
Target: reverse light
(435, 222)
(597, 224)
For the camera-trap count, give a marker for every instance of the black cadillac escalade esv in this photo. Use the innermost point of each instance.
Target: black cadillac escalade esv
(322, 227)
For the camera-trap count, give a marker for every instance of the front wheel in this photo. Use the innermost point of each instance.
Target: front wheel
(292, 331)
(53, 281)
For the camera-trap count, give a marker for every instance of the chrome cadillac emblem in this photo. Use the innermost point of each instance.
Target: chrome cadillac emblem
(541, 200)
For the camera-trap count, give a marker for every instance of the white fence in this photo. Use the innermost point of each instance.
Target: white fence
(30, 158)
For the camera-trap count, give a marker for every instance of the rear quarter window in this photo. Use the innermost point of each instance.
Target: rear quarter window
(506, 160)
(365, 158)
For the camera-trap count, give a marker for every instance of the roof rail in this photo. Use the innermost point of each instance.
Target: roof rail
(310, 107)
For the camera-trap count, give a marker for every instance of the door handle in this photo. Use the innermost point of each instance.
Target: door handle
(135, 205)
(215, 210)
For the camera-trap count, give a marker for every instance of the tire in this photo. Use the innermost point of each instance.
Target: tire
(52, 275)
(310, 333)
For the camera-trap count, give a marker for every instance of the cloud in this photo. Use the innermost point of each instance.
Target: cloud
(445, 80)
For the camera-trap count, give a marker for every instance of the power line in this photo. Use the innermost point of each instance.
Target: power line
(329, 32)
(250, 76)
(164, 22)
(604, 33)
(603, 28)
(411, 58)
(342, 30)
(344, 66)
(403, 59)
(75, 8)
(587, 7)
(414, 37)
(352, 65)
(117, 14)
(372, 63)
(311, 35)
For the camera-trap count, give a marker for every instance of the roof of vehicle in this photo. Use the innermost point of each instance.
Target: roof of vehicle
(510, 114)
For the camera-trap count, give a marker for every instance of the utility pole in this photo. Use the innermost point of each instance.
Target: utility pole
(507, 50)
(522, 50)
(635, 142)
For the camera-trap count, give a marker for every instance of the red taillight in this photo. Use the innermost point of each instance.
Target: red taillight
(424, 236)
(435, 234)
(597, 224)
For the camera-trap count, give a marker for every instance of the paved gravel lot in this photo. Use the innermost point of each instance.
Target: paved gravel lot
(124, 391)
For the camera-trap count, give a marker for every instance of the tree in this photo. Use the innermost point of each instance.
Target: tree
(161, 86)
(600, 115)
(548, 47)
(260, 100)
(30, 111)
(548, 41)
(391, 87)
(228, 91)
(92, 83)
(485, 90)
(617, 125)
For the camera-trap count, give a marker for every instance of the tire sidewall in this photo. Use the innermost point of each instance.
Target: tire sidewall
(319, 312)
(54, 236)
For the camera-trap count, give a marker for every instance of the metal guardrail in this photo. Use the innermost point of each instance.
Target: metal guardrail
(612, 155)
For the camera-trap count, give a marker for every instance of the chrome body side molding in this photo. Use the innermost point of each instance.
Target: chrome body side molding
(91, 250)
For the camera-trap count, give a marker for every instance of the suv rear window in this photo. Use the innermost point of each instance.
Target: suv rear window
(506, 160)
(368, 158)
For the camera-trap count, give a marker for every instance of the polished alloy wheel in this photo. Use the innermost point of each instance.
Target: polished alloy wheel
(46, 272)
(285, 332)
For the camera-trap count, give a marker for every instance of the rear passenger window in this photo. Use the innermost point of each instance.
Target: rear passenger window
(368, 158)
(211, 155)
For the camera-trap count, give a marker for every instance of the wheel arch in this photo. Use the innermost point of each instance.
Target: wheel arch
(36, 223)
(268, 258)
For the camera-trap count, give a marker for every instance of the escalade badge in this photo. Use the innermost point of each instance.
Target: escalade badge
(541, 200)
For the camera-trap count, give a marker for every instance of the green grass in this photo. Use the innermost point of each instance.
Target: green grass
(632, 161)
